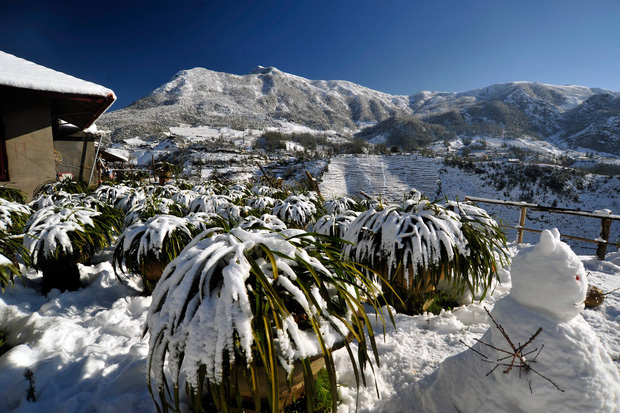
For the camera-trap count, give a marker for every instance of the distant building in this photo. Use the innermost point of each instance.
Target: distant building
(45, 118)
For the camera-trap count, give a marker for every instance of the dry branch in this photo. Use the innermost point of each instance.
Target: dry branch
(517, 356)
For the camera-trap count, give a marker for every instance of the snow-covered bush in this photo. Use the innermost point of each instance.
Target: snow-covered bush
(247, 300)
(262, 190)
(46, 200)
(266, 221)
(237, 193)
(10, 248)
(208, 203)
(184, 197)
(334, 225)
(151, 206)
(13, 216)
(296, 210)
(13, 194)
(63, 185)
(339, 205)
(146, 248)
(111, 194)
(132, 198)
(60, 238)
(166, 191)
(260, 203)
(420, 243)
(208, 188)
(232, 213)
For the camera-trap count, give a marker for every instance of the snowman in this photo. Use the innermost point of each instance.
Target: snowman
(562, 368)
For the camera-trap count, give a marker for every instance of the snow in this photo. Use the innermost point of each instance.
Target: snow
(87, 351)
(549, 278)
(84, 347)
(564, 366)
(20, 73)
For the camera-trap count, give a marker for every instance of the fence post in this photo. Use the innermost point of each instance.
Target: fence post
(601, 250)
(521, 225)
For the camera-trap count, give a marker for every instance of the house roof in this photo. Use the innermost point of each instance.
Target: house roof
(73, 100)
(110, 155)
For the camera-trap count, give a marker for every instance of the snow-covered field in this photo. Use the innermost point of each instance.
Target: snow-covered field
(388, 177)
(88, 354)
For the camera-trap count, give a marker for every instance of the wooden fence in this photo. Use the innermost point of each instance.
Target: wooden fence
(602, 240)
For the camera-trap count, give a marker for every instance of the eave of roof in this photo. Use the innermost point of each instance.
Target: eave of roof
(73, 100)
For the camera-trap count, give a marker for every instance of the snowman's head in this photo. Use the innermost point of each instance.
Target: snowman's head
(549, 278)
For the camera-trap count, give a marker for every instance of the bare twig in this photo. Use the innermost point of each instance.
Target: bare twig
(516, 357)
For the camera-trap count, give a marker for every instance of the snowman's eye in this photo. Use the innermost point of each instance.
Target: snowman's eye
(577, 277)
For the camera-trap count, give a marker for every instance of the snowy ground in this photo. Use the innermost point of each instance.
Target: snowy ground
(87, 351)
(388, 177)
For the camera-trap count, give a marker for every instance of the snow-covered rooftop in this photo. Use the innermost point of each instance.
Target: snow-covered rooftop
(23, 74)
(72, 100)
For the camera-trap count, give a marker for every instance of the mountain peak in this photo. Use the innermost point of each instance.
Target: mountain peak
(262, 70)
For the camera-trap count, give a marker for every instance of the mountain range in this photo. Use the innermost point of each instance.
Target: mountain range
(577, 116)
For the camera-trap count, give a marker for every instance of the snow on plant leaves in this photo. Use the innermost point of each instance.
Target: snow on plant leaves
(339, 205)
(298, 209)
(47, 229)
(209, 324)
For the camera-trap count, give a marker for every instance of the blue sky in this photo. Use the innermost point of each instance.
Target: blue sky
(399, 47)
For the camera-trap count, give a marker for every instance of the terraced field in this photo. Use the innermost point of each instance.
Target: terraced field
(387, 177)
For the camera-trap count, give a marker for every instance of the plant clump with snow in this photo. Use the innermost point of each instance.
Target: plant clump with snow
(13, 216)
(59, 238)
(253, 299)
(145, 248)
(334, 225)
(419, 244)
(339, 205)
(297, 210)
(11, 252)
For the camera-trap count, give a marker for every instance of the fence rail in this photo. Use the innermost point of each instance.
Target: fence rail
(605, 216)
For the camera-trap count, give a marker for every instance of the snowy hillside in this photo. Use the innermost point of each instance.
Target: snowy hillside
(269, 97)
(264, 97)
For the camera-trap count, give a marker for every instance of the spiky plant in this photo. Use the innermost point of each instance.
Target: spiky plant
(70, 186)
(167, 190)
(184, 197)
(61, 237)
(131, 198)
(145, 248)
(334, 225)
(339, 205)
(209, 203)
(152, 206)
(10, 248)
(296, 210)
(237, 193)
(13, 194)
(209, 188)
(183, 184)
(420, 243)
(110, 194)
(13, 216)
(486, 241)
(55, 198)
(266, 221)
(260, 203)
(250, 308)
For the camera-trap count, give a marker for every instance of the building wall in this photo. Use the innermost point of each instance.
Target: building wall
(78, 157)
(28, 141)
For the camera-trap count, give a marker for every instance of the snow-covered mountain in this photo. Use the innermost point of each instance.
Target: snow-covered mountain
(268, 96)
(262, 98)
(595, 124)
